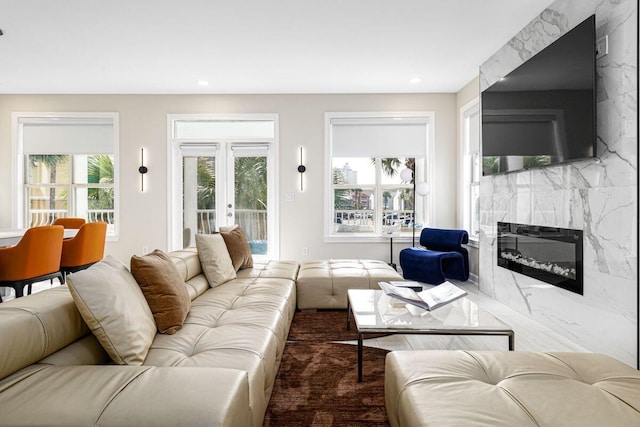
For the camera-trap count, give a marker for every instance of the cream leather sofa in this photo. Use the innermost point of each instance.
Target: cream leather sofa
(324, 283)
(507, 389)
(218, 370)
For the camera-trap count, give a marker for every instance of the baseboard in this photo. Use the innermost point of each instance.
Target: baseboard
(473, 278)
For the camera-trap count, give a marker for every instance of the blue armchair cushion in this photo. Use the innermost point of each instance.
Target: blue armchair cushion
(443, 257)
(443, 240)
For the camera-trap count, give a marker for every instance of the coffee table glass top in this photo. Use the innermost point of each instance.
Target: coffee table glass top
(374, 311)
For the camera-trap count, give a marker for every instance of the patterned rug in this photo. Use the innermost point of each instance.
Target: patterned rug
(324, 326)
(321, 326)
(317, 386)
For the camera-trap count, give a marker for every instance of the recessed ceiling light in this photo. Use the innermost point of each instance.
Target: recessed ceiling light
(415, 80)
(203, 83)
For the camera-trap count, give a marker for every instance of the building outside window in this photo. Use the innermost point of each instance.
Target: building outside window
(375, 160)
(67, 168)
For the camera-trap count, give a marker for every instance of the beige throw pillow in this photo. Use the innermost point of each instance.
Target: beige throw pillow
(163, 288)
(238, 247)
(214, 258)
(113, 306)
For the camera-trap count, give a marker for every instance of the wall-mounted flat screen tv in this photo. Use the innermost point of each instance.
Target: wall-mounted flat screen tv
(544, 111)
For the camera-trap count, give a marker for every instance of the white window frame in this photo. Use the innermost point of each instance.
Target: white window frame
(174, 168)
(427, 174)
(469, 158)
(18, 162)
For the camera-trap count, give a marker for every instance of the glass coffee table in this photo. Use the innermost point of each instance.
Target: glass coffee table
(375, 312)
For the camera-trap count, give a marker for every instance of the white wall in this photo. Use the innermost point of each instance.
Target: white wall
(143, 124)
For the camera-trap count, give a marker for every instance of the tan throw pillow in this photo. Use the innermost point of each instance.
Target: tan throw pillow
(214, 258)
(163, 288)
(238, 247)
(113, 306)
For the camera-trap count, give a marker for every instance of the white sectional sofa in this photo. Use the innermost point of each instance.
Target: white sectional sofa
(218, 370)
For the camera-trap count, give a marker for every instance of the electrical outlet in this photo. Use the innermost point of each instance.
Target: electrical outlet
(305, 251)
(602, 47)
(290, 197)
(145, 250)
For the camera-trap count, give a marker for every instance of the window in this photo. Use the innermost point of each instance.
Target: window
(376, 161)
(67, 168)
(470, 141)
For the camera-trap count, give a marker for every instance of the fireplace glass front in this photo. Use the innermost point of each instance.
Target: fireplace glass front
(552, 255)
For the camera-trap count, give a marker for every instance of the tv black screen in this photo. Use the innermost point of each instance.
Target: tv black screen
(544, 111)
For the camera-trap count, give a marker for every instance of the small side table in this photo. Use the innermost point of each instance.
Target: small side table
(390, 236)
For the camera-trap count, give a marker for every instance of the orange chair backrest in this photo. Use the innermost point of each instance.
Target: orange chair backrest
(36, 254)
(87, 247)
(75, 223)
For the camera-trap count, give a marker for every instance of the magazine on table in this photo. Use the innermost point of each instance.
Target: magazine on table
(430, 299)
(416, 286)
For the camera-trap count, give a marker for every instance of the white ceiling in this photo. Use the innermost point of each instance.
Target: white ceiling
(251, 46)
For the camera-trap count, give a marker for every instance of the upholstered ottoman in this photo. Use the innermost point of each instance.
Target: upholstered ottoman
(490, 388)
(324, 283)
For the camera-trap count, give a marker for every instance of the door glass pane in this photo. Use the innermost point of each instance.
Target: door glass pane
(198, 197)
(250, 195)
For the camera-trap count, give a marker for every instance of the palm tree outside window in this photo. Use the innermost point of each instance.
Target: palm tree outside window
(63, 185)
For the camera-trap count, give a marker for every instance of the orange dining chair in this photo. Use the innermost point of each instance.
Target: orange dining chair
(35, 258)
(83, 250)
(70, 222)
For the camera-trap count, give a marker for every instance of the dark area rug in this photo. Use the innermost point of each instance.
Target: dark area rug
(321, 326)
(317, 386)
(317, 381)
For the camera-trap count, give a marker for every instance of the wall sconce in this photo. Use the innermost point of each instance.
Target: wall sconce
(142, 169)
(301, 169)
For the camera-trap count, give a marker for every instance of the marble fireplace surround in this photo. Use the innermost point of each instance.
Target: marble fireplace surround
(596, 196)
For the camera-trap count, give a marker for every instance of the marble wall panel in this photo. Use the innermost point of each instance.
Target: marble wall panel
(598, 196)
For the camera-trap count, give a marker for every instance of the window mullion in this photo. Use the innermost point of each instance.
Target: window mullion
(378, 214)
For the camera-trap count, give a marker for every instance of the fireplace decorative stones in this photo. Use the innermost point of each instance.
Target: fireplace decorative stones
(552, 255)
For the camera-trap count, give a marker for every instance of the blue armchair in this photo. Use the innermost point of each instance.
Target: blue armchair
(442, 257)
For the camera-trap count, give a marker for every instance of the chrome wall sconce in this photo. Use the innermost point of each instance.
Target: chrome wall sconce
(301, 169)
(142, 169)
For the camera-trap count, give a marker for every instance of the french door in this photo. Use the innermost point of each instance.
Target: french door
(220, 183)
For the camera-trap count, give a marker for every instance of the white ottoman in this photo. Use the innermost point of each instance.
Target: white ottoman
(507, 389)
(324, 283)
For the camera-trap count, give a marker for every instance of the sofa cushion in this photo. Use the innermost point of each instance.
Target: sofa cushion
(215, 259)
(324, 283)
(242, 324)
(37, 325)
(113, 306)
(104, 396)
(163, 288)
(500, 388)
(238, 247)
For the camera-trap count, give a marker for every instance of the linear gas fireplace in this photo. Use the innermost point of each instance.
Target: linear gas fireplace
(552, 255)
